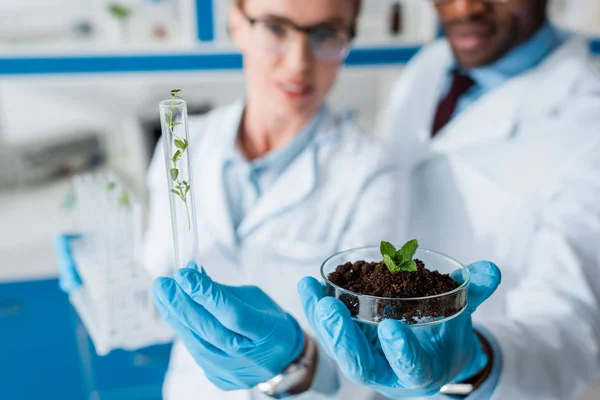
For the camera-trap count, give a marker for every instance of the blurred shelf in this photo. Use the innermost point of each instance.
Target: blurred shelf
(184, 61)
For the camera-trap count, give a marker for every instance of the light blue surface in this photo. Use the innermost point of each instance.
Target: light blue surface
(38, 351)
(46, 353)
(246, 181)
(516, 62)
(397, 360)
(238, 335)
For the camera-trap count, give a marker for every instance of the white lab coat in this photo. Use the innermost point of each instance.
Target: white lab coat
(516, 179)
(341, 192)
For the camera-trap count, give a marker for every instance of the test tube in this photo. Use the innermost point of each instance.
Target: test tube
(176, 143)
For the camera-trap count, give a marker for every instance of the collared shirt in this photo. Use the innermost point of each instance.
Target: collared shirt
(246, 181)
(517, 61)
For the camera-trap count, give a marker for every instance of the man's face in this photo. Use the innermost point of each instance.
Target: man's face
(481, 32)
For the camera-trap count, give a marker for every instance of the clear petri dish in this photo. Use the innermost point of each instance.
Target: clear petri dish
(414, 311)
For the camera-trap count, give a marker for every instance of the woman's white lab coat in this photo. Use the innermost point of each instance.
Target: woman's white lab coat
(516, 179)
(343, 191)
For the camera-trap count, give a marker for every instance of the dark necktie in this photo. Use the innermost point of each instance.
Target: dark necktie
(460, 84)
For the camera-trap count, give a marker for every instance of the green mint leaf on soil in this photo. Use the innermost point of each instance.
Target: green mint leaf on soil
(407, 252)
(410, 266)
(387, 248)
(399, 260)
(389, 262)
(174, 173)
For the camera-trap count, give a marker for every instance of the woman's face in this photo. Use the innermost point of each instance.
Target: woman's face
(286, 71)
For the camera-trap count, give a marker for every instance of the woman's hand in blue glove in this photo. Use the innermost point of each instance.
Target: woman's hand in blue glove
(69, 279)
(397, 360)
(238, 335)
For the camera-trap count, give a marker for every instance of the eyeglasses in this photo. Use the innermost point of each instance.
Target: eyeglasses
(329, 44)
(485, 1)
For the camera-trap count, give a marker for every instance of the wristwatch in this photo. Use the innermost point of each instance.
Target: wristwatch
(280, 386)
(468, 386)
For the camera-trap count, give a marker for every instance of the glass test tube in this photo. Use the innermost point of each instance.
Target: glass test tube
(176, 143)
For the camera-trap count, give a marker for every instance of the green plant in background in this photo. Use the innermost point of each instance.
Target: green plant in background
(119, 11)
(122, 14)
(70, 200)
(123, 200)
(400, 260)
(182, 188)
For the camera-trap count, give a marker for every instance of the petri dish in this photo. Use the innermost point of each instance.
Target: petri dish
(413, 311)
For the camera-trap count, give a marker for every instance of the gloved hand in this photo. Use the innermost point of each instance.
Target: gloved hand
(69, 279)
(404, 362)
(238, 335)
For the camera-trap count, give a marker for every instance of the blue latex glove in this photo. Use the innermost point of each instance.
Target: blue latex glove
(69, 279)
(238, 335)
(397, 360)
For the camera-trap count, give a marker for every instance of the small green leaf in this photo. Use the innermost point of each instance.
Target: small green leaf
(119, 11)
(175, 124)
(387, 248)
(410, 266)
(180, 144)
(70, 200)
(110, 186)
(394, 269)
(175, 192)
(168, 119)
(407, 252)
(176, 156)
(174, 173)
(175, 91)
(124, 199)
(187, 189)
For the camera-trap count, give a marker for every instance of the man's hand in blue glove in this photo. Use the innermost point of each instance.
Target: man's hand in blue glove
(404, 362)
(69, 279)
(238, 335)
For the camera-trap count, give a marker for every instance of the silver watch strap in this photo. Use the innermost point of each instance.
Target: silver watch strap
(280, 385)
(457, 389)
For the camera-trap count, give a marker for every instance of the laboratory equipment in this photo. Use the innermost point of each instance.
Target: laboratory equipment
(115, 301)
(178, 163)
(422, 310)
